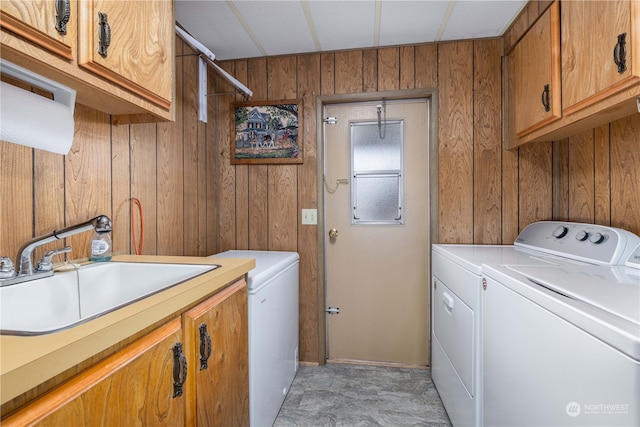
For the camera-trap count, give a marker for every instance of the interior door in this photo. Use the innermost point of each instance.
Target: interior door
(376, 202)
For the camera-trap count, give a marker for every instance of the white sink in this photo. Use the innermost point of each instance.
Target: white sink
(70, 298)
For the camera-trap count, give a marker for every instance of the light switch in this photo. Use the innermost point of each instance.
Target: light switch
(309, 216)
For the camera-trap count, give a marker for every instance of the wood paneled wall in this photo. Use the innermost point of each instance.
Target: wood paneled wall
(196, 203)
(255, 211)
(486, 194)
(597, 176)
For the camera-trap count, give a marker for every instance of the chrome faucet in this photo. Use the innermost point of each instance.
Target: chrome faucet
(26, 270)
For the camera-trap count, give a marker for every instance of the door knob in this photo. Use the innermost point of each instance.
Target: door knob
(333, 233)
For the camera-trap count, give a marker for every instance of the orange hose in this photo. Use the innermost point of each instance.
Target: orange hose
(137, 250)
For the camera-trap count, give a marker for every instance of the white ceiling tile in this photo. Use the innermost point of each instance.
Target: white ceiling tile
(279, 26)
(344, 24)
(213, 24)
(477, 19)
(410, 22)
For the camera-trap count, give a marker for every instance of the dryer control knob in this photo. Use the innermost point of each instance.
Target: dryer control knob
(582, 236)
(597, 238)
(560, 232)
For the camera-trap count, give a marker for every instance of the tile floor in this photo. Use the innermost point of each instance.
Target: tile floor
(358, 395)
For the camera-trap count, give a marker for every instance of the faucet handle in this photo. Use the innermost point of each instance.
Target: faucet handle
(7, 269)
(46, 264)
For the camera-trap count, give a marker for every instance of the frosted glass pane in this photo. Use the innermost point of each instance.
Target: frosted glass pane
(377, 199)
(372, 153)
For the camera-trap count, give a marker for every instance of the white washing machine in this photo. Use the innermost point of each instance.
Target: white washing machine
(456, 351)
(458, 309)
(561, 344)
(273, 330)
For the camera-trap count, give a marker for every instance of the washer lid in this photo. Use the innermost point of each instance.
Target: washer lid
(615, 290)
(268, 264)
(471, 257)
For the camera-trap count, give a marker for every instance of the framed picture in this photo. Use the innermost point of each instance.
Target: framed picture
(266, 132)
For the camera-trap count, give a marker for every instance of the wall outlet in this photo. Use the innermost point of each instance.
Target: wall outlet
(310, 216)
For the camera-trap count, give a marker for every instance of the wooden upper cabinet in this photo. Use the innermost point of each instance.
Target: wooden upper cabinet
(130, 44)
(217, 346)
(598, 50)
(534, 98)
(131, 77)
(42, 23)
(132, 387)
(599, 77)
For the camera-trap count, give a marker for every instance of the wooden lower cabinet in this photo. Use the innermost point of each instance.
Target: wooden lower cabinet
(216, 346)
(137, 385)
(133, 387)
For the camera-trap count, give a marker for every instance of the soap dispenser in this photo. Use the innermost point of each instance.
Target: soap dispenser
(101, 241)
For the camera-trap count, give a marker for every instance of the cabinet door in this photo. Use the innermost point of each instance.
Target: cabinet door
(592, 52)
(130, 43)
(40, 22)
(133, 387)
(534, 78)
(216, 345)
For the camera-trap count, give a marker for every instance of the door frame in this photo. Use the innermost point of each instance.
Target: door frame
(432, 188)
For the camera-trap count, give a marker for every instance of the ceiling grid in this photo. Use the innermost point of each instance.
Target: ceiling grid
(237, 29)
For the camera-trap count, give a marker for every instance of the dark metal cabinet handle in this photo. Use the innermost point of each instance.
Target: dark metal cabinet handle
(179, 367)
(104, 33)
(620, 53)
(63, 13)
(546, 99)
(205, 347)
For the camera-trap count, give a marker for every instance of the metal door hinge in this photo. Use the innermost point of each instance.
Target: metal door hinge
(330, 120)
(333, 310)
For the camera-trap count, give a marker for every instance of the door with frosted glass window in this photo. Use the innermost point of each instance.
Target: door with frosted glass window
(376, 201)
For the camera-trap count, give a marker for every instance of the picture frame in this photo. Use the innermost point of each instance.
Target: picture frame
(266, 132)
